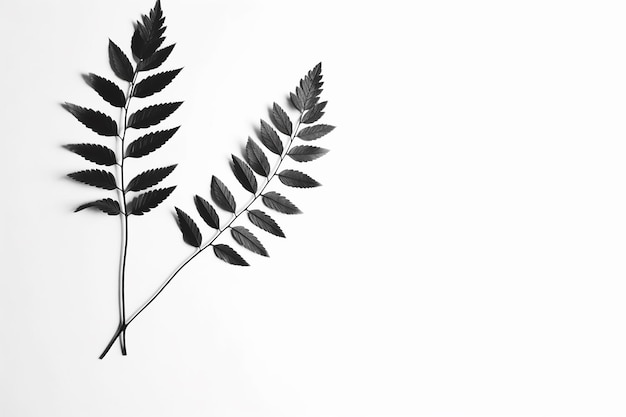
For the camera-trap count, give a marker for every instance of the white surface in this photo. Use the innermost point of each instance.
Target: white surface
(465, 256)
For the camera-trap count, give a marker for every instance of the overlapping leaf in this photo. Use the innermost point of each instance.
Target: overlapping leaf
(149, 178)
(96, 178)
(314, 114)
(207, 212)
(222, 196)
(145, 202)
(228, 254)
(244, 175)
(149, 143)
(106, 205)
(152, 115)
(98, 154)
(94, 120)
(246, 239)
(191, 233)
(108, 90)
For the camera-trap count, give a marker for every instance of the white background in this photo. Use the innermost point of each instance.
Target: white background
(465, 256)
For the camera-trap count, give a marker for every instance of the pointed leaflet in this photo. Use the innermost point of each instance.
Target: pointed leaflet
(228, 254)
(94, 120)
(108, 90)
(149, 178)
(152, 115)
(147, 36)
(265, 222)
(256, 158)
(145, 202)
(314, 114)
(306, 153)
(149, 143)
(280, 119)
(98, 154)
(107, 205)
(222, 196)
(297, 179)
(279, 203)
(120, 63)
(154, 83)
(296, 101)
(270, 139)
(246, 239)
(207, 212)
(244, 175)
(315, 132)
(156, 59)
(96, 178)
(191, 233)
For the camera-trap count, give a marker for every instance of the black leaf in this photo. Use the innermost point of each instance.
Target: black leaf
(191, 233)
(94, 120)
(279, 203)
(244, 175)
(297, 179)
(149, 143)
(207, 212)
(155, 83)
(108, 90)
(149, 178)
(147, 36)
(107, 205)
(315, 132)
(314, 114)
(156, 59)
(265, 222)
(256, 158)
(222, 196)
(246, 239)
(120, 63)
(152, 115)
(145, 202)
(228, 254)
(306, 153)
(296, 101)
(280, 119)
(95, 177)
(270, 139)
(98, 154)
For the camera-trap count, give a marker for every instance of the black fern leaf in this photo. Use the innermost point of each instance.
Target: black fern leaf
(96, 178)
(293, 178)
(306, 153)
(120, 64)
(145, 202)
(152, 115)
(207, 212)
(108, 90)
(98, 154)
(228, 254)
(244, 174)
(270, 138)
(148, 33)
(149, 143)
(256, 158)
(154, 83)
(280, 119)
(246, 239)
(107, 205)
(314, 114)
(279, 203)
(315, 132)
(149, 178)
(222, 196)
(156, 59)
(265, 222)
(94, 120)
(191, 233)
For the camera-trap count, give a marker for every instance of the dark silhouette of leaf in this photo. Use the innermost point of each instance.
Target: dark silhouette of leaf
(314, 114)
(297, 179)
(154, 83)
(147, 37)
(306, 153)
(107, 205)
(149, 143)
(315, 132)
(96, 178)
(244, 174)
(152, 115)
(265, 222)
(156, 59)
(256, 158)
(207, 212)
(228, 255)
(191, 233)
(222, 196)
(279, 203)
(280, 119)
(120, 64)
(270, 139)
(149, 178)
(145, 202)
(98, 154)
(94, 120)
(108, 90)
(296, 101)
(246, 239)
